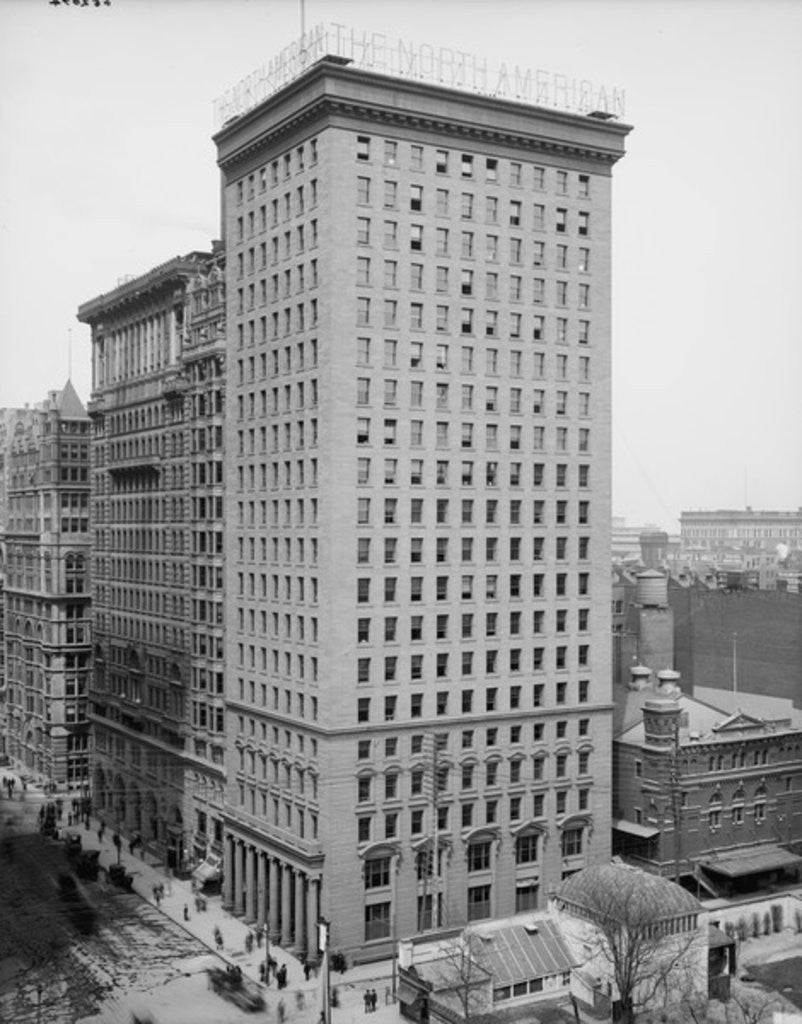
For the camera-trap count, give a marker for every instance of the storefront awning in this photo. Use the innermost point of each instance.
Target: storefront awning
(406, 993)
(752, 861)
(634, 829)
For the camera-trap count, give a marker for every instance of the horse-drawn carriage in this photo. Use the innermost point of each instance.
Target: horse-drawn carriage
(230, 983)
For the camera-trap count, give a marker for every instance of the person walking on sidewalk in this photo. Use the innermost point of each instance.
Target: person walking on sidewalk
(218, 938)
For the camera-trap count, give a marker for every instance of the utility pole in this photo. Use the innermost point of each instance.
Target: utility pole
(735, 663)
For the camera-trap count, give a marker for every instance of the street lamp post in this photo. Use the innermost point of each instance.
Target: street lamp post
(323, 928)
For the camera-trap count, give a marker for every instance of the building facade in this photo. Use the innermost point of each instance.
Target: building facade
(746, 539)
(47, 628)
(417, 505)
(697, 788)
(157, 446)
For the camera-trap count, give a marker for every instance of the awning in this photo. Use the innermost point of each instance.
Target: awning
(752, 861)
(406, 993)
(634, 829)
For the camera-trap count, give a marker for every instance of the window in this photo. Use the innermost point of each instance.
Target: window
(377, 921)
(584, 220)
(416, 197)
(478, 902)
(441, 161)
(479, 856)
(466, 165)
(363, 147)
(416, 237)
(571, 842)
(526, 850)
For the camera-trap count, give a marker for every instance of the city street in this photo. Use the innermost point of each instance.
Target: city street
(141, 958)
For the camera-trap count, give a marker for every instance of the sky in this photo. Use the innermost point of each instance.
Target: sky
(109, 169)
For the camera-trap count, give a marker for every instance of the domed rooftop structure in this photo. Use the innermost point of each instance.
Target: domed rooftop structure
(605, 887)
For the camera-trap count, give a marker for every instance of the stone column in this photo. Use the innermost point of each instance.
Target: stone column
(273, 880)
(250, 884)
(239, 880)
(312, 890)
(228, 873)
(300, 909)
(261, 888)
(286, 905)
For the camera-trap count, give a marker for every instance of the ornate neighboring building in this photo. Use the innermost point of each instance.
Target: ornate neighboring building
(157, 443)
(47, 628)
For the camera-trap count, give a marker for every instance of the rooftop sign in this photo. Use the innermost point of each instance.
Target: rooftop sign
(438, 65)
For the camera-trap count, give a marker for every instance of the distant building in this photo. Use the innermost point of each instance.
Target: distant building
(742, 539)
(708, 797)
(47, 630)
(157, 443)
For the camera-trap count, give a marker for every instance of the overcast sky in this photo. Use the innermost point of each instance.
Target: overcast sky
(109, 169)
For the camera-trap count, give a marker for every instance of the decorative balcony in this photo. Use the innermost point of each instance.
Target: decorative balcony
(174, 385)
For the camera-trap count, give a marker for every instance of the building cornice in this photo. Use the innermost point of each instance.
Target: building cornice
(537, 130)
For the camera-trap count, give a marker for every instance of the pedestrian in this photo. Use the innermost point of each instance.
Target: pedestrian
(74, 806)
(281, 1010)
(259, 935)
(262, 971)
(218, 937)
(197, 903)
(281, 976)
(157, 896)
(307, 970)
(59, 808)
(186, 912)
(373, 1000)
(249, 942)
(366, 1000)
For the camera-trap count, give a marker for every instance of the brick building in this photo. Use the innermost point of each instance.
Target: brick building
(705, 795)
(417, 504)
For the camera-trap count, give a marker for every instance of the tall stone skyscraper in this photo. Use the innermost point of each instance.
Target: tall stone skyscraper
(417, 504)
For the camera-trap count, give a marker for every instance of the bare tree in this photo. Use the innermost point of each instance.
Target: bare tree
(745, 1006)
(461, 975)
(648, 954)
(751, 1006)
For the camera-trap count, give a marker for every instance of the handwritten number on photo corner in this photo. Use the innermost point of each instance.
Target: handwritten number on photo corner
(79, 3)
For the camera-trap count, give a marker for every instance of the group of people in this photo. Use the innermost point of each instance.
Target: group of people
(370, 998)
(158, 893)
